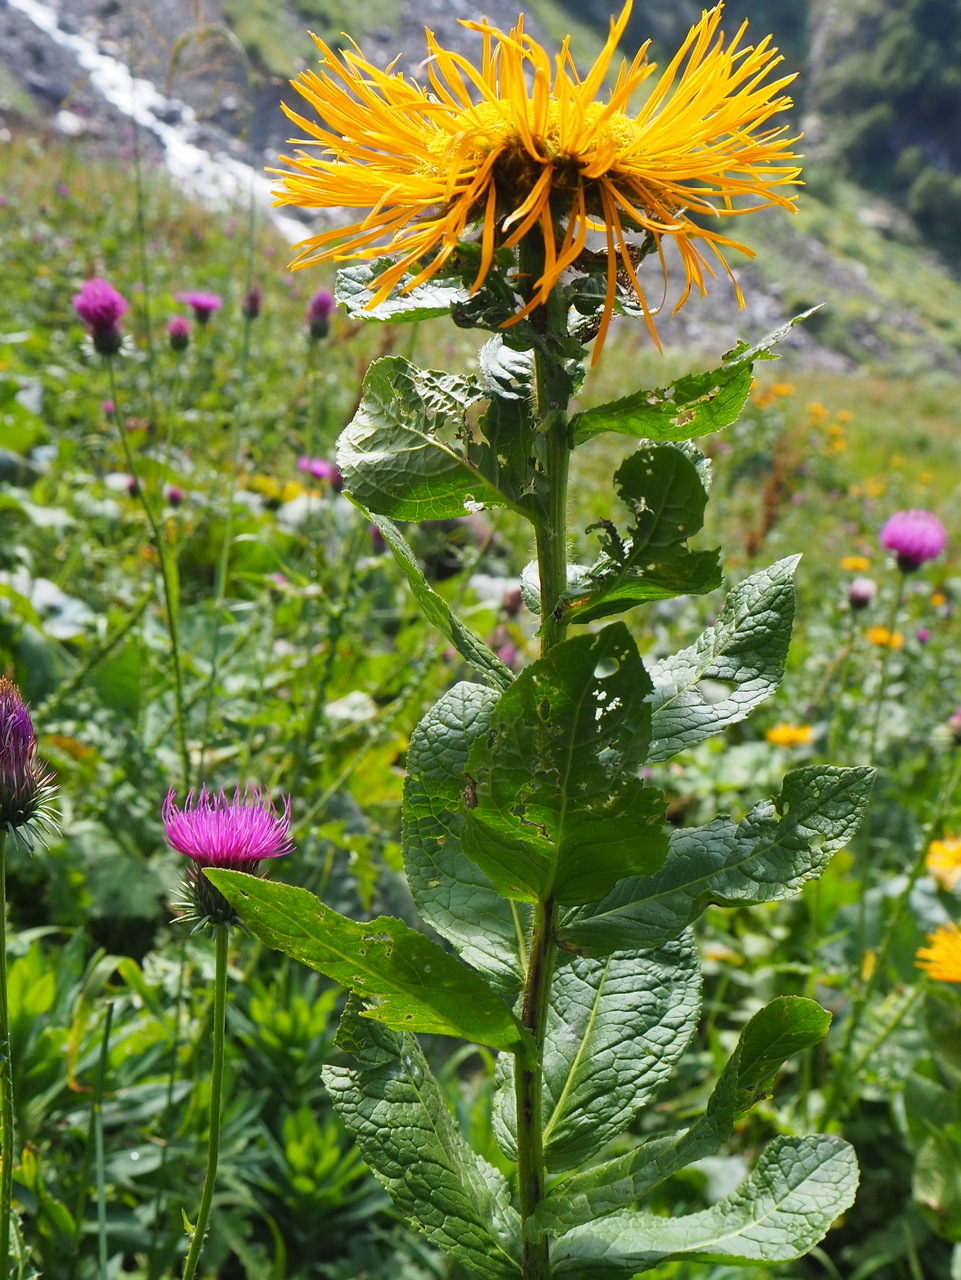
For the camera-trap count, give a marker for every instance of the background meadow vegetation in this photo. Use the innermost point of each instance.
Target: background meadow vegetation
(181, 601)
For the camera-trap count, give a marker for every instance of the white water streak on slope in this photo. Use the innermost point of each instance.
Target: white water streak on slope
(211, 178)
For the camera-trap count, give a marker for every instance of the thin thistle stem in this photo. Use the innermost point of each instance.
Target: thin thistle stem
(98, 1140)
(216, 1101)
(6, 1075)
(885, 658)
(166, 578)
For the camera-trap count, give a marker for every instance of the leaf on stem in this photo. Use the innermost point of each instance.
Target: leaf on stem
(558, 809)
(775, 1033)
(766, 857)
(408, 982)
(785, 1206)
(451, 892)
(407, 453)
(438, 612)
(425, 302)
(661, 486)
(742, 656)
(696, 405)
(391, 1102)
(615, 1030)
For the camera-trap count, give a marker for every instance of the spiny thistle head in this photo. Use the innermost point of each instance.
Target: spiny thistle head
(100, 306)
(212, 831)
(26, 785)
(515, 147)
(914, 537)
(201, 303)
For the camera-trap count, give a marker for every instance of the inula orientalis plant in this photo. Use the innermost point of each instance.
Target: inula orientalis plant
(524, 200)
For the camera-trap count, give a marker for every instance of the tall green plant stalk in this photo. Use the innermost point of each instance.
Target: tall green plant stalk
(167, 578)
(6, 1075)
(97, 1115)
(216, 1102)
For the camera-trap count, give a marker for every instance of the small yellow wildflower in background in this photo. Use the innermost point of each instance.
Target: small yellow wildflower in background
(782, 388)
(897, 461)
(882, 637)
(844, 415)
(942, 957)
(837, 446)
(817, 411)
(763, 399)
(514, 146)
(790, 735)
(925, 477)
(938, 598)
(875, 487)
(855, 564)
(944, 861)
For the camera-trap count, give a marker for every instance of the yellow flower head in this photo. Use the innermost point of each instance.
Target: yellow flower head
(790, 735)
(782, 388)
(513, 146)
(855, 564)
(944, 861)
(882, 637)
(942, 957)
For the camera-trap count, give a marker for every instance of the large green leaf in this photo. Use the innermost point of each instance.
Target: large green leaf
(437, 611)
(425, 302)
(615, 1030)
(694, 406)
(391, 1102)
(732, 667)
(766, 857)
(557, 804)
(404, 455)
(782, 1028)
(785, 1206)
(408, 981)
(662, 487)
(451, 892)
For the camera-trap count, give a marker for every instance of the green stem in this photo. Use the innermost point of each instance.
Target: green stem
(6, 1076)
(550, 424)
(216, 1098)
(882, 681)
(847, 1069)
(528, 1084)
(166, 579)
(98, 1139)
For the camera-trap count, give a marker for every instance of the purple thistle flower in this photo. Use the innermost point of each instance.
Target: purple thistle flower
(319, 310)
(321, 469)
(922, 635)
(861, 592)
(178, 333)
(100, 306)
(914, 536)
(203, 304)
(212, 831)
(175, 495)
(26, 785)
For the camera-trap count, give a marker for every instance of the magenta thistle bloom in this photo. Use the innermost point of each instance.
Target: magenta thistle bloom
(203, 304)
(914, 537)
(178, 333)
(100, 306)
(319, 311)
(213, 831)
(26, 785)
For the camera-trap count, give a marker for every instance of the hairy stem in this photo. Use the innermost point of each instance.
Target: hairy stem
(216, 1097)
(6, 1076)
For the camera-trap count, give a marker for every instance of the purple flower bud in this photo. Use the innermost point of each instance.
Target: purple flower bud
(914, 537)
(212, 831)
(861, 592)
(512, 602)
(378, 542)
(178, 333)
(954, 724)
(175, 495)
(319, 311)
(203, 304)
(108, 407)
(252, 303)
(922, 635)
(26, 786)
(100, 306)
